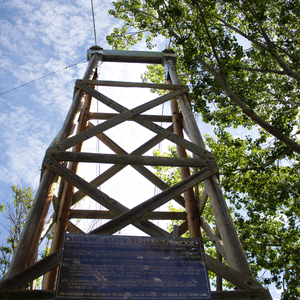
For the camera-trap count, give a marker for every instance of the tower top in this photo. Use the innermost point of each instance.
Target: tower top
(126, 56)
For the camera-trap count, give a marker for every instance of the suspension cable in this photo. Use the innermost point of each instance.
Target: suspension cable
(94, 22)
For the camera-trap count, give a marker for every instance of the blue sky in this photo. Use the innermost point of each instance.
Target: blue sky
(39, 38)
(48, 40)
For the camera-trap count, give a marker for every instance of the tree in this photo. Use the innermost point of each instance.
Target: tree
(16, 215)
(241, 61)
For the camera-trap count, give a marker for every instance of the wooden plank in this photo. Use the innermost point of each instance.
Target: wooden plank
(32, 272)
(101, 197)
(215, 240)
(106, 214)
(239, 279)
(127, 159)
(154, 202)
(262, 294)
(152, 118)
(131, 84)
(127, 114)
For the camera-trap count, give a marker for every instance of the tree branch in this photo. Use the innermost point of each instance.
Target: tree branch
(248, 111)
(260, 70)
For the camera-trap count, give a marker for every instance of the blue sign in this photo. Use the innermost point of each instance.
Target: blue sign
(127, 267)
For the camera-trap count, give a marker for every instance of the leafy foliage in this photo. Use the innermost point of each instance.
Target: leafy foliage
(16, 214)
(241, 60)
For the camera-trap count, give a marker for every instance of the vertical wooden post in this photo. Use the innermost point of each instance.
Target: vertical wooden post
(66, 199)
(234, 251)
(192, 211)
(29, 241)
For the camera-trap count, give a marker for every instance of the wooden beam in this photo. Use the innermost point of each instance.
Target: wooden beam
(29, 240)
(106, 214)
(131, 84)
(262, 294)
(239, 279)
(72, 228)
(31, 234)
(127, 114)
(202, 201)
(151, 126)
(211, 235)
(127, 159)
(154, 202)
(116, 168)
(101, 197)
(130, 56)
(32, 272)
(152, 118)
(189, 195)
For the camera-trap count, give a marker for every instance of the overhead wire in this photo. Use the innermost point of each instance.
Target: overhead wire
(37, 79)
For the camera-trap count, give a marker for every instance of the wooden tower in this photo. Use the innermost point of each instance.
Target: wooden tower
(65, 155)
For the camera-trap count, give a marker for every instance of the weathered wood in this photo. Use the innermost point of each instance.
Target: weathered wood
(130, 56)
(219, 257)
(149, 125)
(32, 272)
(131, 84)
(154, 202)
(73, 228)
(29, 240)
(101, 197)
(106, 214)
(262, 294)
(189, 196)
(175, 138)
(183, 228)
(142, 170)
(215, 240)
(127, 159)
(66, 197)
(232, 245)
(202, 201)
(152, 118)
(127, 114)
(239, 279)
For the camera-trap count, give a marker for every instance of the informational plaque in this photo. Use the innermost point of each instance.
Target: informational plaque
(127, 267)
